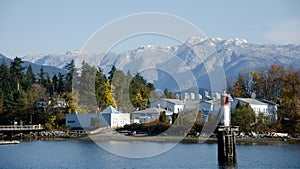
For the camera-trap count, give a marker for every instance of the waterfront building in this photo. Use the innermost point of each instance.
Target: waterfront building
(114, 118)
(109, 117)
(257, 106)
(148, 115)
(173, 105)
(272, 109)
(210, 105)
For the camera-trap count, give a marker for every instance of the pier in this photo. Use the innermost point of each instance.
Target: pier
(10, 131)
(11, 128)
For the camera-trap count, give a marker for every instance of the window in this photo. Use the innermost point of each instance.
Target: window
(71, 121)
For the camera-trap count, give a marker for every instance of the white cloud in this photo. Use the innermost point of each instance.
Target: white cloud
(284, 32)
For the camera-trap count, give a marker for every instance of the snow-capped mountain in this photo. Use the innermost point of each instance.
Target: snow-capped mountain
(52, 70)
(197, 56)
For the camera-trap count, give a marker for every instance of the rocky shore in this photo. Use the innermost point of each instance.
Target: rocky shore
(81, 135)
(239, 141)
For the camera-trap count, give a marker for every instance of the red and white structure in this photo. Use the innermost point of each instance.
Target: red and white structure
(226, 109)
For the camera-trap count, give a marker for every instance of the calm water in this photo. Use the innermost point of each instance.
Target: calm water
(86, 154)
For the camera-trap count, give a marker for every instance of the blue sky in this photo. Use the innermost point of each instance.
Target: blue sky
(36, 27)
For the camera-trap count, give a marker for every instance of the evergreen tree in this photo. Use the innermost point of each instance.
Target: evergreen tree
(5, 80)
(86, 88)
(100, 89)
(55, 83)
(1, 106)
(30, 77)
(41, 74)
(16, 71)
(163, 117)
(243, 116)
(111, 73)
(61, 85)
(174, 117)
(69, 76)
(48, 84)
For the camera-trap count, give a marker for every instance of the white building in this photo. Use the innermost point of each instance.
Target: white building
(210, 105)
(114, 118)
(173, 105)
(148, 115)
(257, 106)
(199, 97)
(83, 120)
(108, 117)
(192, 96)
(272, 109)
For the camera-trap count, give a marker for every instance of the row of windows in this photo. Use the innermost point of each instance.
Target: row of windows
(260, 110)
(121, 122)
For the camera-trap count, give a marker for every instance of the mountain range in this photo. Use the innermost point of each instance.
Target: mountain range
(52, 70)
(179, 66)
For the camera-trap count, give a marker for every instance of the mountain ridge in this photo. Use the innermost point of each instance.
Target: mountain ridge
(197, 54)
(35, 67)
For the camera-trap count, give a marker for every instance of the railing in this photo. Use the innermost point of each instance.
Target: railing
(21, 127)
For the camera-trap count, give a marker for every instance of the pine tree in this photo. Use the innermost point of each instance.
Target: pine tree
(163, 117)
(30, 77)
(69, 76)
(111, 73)
(61, 85)
(100, 89)
(17, 74)
(86, 88)
(55, 83)
(5, 80)
(41, 74)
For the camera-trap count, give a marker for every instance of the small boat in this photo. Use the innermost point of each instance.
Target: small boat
(5, 142)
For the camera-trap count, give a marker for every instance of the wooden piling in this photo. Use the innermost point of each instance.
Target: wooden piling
(227, 144)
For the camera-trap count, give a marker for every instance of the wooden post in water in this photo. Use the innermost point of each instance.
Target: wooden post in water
(227, 144)
(226, 135)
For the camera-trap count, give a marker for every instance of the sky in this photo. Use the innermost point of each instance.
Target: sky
(29, 27)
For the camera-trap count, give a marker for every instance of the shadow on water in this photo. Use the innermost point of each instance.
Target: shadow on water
(227, 165)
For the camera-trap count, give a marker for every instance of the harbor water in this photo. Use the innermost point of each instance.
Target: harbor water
(86, 154)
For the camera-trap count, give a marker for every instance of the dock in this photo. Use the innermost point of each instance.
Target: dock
(5, 128)
(7, 142)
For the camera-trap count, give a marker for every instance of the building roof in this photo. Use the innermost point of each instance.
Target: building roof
(109, 110)
(268, 102)
(153, 110)
(192, 102)
(251, 101)
(213, 102)
(174, 101)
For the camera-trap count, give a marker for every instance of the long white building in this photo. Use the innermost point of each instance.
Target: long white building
(257, 106)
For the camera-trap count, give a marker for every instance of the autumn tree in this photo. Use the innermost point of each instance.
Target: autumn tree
(240, 88)
(268, 82)
(289, 110)
(109, 99)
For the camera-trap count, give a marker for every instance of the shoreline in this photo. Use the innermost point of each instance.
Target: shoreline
(143, 138)
(191, 140)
